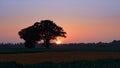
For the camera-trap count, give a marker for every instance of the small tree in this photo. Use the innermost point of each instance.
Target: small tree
(45, 30)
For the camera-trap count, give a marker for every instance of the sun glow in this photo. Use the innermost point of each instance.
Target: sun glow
(58, 42)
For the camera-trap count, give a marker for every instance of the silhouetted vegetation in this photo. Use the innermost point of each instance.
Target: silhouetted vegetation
(105, 63)
(45, 30)
(114, 44)
(9, 48)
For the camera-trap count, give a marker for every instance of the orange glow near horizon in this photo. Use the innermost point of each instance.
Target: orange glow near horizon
(76, 32)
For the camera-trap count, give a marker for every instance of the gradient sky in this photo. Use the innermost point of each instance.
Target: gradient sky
(83, 20)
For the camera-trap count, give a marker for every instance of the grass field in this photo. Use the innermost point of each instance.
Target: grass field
(39, 50)
(32, 56)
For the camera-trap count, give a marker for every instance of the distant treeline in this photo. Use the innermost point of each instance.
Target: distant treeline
(113, 44)
(106, 63)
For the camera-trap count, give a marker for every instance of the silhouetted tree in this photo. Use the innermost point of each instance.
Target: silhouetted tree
(48, 30)
(45, 30)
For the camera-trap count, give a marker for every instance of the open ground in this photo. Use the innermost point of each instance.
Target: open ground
(31, 58)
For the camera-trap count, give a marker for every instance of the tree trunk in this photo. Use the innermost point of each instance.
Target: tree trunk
(47, 43)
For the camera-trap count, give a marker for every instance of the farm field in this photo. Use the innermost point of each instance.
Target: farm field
(41, 50)
(32, 58)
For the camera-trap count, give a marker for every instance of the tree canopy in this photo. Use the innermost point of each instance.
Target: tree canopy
(44, 30)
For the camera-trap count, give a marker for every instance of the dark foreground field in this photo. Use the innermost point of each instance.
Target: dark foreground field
(32, 58)
(52, 58)
(106, 63)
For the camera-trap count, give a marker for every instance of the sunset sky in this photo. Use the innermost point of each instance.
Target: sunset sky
(83, 20)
